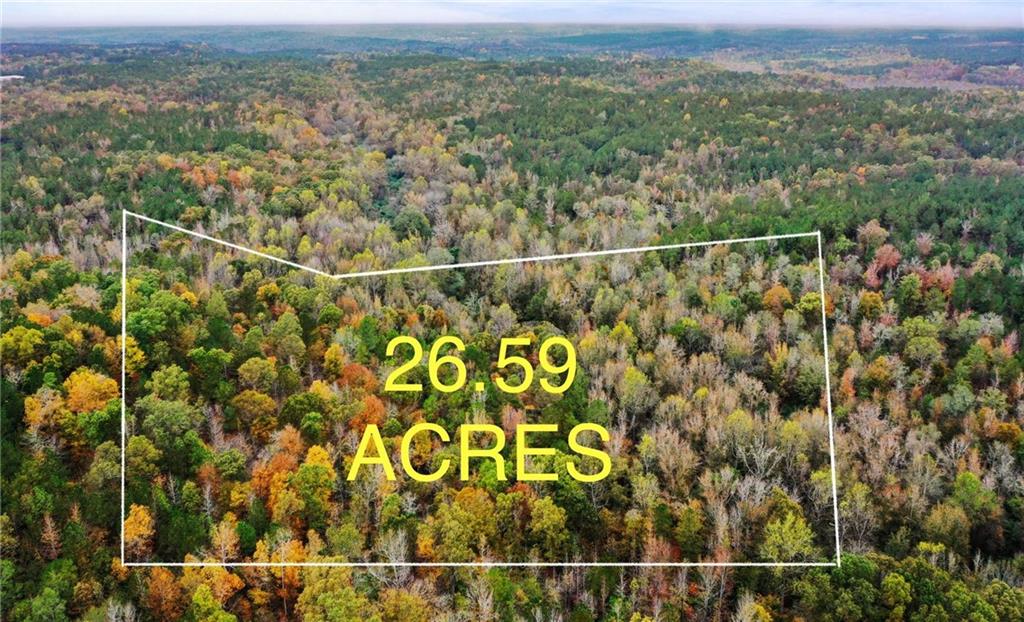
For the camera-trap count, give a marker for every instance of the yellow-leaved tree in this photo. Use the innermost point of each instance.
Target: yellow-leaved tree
(88, 390)
(138, 532)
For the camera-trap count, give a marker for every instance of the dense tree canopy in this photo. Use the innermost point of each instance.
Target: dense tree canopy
(249, 383)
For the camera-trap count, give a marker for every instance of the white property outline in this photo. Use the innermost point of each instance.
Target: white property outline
(476, 264)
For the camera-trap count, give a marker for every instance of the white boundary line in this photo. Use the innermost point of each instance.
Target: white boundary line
(124, 357)
(482, 564)
(476, 264)
(472, 264)
(828, 400)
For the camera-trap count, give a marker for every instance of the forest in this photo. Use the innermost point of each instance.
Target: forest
(251, 382)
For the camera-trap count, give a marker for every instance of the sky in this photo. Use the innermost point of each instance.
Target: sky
(834, 13)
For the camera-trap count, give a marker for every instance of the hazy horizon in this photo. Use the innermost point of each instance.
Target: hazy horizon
(836, 14)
